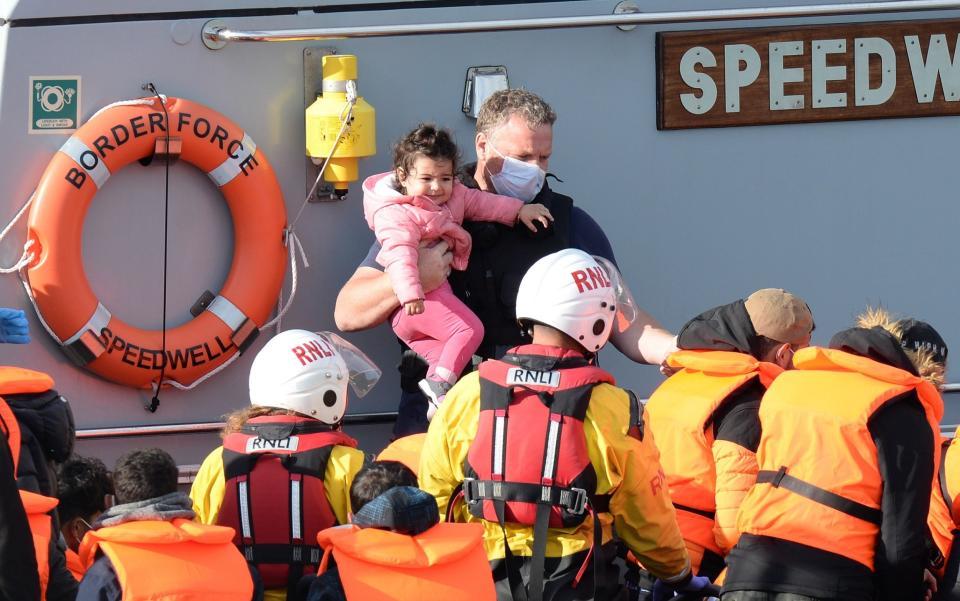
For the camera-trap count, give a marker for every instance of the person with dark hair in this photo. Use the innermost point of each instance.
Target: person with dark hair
(705, 418)
(148, 546)
(375, 478)
(419, 202)
(846, 463)
(83, 485)
(406, 450)
(396, 549)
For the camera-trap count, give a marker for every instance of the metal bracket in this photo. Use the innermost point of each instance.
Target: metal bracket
(210, 34)
(627, 7)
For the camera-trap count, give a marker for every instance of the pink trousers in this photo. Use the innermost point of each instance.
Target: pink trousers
(446, 334)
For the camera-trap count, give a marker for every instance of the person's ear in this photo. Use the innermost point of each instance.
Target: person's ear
(481, 142)
(784, 355)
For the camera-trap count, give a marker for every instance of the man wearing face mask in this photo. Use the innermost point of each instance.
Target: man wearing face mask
(514, 141)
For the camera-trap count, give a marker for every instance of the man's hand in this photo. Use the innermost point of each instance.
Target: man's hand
(698, 584)
(434, 265)
(529, 214)
(13, 326)
(929, 585)
(414, 307)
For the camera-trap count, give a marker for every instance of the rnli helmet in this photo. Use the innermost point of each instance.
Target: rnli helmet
(308, 372)
(570, 291)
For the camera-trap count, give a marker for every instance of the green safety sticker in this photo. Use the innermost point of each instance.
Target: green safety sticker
(54, 104)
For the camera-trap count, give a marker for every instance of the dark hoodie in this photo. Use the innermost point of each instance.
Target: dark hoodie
(46, 437)
(728, 328)
(905, 458)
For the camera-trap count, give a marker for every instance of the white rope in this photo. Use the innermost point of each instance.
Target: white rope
(26, 257)
(293, 244)
(135, 102)
(292, 241)
(200, 380)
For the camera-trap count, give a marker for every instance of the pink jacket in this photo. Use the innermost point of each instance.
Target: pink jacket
(400, 223)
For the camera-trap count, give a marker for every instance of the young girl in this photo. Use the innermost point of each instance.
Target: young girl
(422, 200)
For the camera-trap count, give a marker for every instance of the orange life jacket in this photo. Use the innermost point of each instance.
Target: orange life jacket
(18, 380)
(38, 508)
(406, 450)
(446, 562)
(172, 561)
(942, 520)
(819, 482)
(680, 412)
(76, 567)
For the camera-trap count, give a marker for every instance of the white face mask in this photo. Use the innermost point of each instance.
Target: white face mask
(517, 178)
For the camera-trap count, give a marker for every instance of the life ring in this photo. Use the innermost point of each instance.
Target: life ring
(113, 138)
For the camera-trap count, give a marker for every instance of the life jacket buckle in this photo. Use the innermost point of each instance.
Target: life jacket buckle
(580, 499)
(469, 484)
(778, 477)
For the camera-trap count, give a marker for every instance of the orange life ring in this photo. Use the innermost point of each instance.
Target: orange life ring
(110, 140)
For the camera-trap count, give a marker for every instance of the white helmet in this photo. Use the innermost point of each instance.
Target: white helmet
(571, 292)
(308, 372)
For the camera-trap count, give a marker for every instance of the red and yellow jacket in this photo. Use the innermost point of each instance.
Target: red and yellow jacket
(627, 469)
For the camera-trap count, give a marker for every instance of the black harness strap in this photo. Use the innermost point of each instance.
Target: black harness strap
(272, 553)
(710, 515)
(572, 499)
(517, 591)
(780, 479)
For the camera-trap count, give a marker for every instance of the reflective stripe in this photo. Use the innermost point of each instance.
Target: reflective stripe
(549, 462)
(499, 433)
(227, 312)
(244, 508)
(230, 168)
(98, 321)
(81, 154)
(295, 515)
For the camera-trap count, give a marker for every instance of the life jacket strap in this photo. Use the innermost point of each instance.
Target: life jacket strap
(780, 479)
(710, 515)
(572, 499)
(278, 553)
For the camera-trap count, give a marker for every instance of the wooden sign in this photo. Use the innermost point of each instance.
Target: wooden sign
(802, 74)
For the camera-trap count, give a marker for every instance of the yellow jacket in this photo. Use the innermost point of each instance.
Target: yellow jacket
(208, 490)
(627, 469)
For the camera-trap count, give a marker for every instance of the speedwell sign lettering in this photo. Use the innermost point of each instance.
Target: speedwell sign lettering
(764, 76)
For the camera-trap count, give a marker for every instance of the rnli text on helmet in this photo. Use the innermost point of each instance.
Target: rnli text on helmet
(590, 278)
(308, 352)
(138, 127)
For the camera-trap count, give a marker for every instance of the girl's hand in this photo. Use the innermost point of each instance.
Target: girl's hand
(414, 307)
(529, 214)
